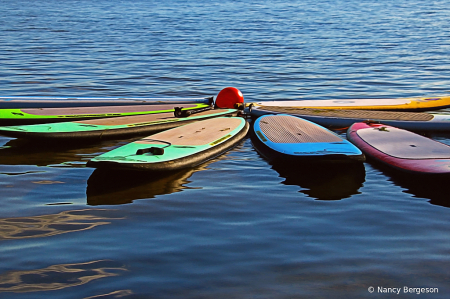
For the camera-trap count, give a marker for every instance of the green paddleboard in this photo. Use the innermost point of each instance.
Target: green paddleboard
(49, 115)
(109, 127)
(178, 148)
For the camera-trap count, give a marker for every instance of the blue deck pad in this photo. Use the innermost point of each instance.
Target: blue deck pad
(342, 147)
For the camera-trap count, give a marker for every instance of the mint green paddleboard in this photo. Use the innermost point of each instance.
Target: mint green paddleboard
(178, 148)
(109, 127)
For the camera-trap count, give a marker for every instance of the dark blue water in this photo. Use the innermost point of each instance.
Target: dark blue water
(235, 227)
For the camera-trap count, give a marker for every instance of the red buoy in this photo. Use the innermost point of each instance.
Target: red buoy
(229, 97)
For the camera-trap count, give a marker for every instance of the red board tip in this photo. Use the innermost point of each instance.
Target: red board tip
(229, 97)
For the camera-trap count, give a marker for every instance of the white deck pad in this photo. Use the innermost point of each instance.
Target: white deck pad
(341, 103)
(404, 144)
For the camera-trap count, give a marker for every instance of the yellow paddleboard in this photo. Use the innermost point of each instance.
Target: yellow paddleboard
(405, 104)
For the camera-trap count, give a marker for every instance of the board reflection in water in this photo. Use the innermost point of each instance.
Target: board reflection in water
(26, 152)
(324, 181)
(59, 276)
(434, 187)
(114, 187)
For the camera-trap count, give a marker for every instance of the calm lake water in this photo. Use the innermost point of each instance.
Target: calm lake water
(235, 227)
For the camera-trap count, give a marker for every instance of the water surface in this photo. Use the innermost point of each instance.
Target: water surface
(234, 227)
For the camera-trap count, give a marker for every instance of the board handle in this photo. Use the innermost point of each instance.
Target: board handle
(178, 112)
(154, 150)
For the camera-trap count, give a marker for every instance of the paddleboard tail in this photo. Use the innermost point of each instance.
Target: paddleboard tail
(277, 158)
(180, 163)
(401, 149)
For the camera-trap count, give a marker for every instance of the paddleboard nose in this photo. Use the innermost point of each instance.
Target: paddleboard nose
(230, 97)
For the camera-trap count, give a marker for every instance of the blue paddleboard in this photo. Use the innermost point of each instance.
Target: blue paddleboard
(282, 138)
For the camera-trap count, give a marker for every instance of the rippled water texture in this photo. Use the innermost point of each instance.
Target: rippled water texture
(236, 226)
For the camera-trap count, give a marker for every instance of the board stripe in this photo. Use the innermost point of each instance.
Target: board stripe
(360, 114)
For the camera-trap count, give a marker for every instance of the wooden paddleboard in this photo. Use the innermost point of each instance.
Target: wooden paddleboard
(65, 102)
(335, 118)
(401, 149)
(177, 148)
(286, 138)
(405, 104)
(228, 97)
(108, 127)
(47, 115)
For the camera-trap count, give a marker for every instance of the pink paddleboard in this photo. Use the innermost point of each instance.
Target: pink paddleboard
(400, 149)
